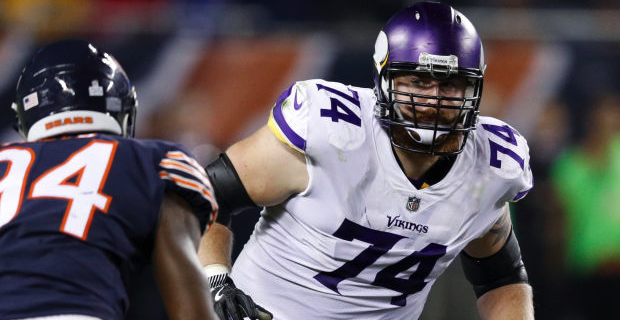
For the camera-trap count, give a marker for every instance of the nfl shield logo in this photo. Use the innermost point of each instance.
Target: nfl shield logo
(413, 204)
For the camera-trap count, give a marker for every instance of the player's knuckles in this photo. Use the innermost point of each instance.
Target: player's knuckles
(264, 316)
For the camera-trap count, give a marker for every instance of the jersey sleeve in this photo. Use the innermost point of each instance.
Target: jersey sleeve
(508, 156)
(316, 116)
(288, 119)
(183, 175)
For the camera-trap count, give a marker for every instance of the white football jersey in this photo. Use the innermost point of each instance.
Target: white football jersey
(361, 242)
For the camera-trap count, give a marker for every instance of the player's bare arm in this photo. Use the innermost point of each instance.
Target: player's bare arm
(510, 302)
(270, 170)
(493, 240)
(259, 170)
(216, 246)
(493, 265)
(177, 269)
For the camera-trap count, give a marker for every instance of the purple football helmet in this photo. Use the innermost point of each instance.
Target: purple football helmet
(428, 39)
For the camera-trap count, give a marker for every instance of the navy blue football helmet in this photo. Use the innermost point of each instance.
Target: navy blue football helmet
(429, 39)
(71, 87)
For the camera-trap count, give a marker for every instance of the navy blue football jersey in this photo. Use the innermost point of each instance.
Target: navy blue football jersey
(79, 214)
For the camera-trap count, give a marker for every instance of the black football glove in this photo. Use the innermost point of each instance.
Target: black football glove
(233, 304)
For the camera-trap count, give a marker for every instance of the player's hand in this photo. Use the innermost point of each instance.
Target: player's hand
(233, 304)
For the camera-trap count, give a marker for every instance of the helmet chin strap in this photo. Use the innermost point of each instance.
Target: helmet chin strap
(423, 136)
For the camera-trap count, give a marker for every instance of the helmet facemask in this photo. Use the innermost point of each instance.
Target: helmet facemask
(433, 124)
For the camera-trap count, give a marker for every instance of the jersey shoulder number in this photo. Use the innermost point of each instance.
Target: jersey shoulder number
(507, 154)
(337, 106)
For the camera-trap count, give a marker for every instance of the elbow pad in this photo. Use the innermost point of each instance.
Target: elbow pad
(231, 195)
(502, 268)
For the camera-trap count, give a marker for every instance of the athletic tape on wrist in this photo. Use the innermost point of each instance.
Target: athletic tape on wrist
(216, 274)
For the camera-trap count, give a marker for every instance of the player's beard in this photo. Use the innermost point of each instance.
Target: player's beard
(446, 143)
(450, 142)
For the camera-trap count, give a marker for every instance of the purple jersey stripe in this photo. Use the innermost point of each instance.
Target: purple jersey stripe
(293, 137)
(521, 195)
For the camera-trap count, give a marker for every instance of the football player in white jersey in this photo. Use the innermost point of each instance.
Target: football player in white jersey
(369, 194)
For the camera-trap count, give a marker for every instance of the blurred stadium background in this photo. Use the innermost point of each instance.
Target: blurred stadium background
(208, 71)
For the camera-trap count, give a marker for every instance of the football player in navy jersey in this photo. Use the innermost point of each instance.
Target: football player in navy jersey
(83, 204)
(369, 194)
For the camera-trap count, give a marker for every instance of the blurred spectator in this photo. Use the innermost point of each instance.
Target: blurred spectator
(587, 180)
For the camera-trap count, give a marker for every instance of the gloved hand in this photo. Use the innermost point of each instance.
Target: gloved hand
(233, 304)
